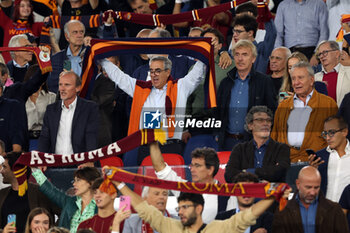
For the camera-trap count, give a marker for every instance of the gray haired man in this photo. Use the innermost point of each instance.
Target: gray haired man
(268, 159)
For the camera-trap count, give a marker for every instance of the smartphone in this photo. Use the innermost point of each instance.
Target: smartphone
(125, 201)
(67, 65)
(11, 218)
(311, 152)
(283, 94)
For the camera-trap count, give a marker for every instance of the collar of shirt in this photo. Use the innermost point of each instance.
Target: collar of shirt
(347, 148)
(265, 144)
(69, 52)
(238, 77)
(296, 98)
(299, 201)
(71, 106)
(18, 66)
(160, 90)
(336, 69)
(302, 1)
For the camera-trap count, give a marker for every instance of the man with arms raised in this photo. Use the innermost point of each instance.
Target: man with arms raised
(190, 208)
(204, 166)
(264, 222)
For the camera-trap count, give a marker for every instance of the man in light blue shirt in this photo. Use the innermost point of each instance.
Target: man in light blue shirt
(301, 25)
(69, 59)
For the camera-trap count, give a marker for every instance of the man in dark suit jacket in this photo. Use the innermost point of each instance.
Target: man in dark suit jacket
(264, 222)
(268, 159)
(70, 58)
(70, 125)
(242, 89)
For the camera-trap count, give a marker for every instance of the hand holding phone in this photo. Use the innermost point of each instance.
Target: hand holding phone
(11, 218)
(314, 159)
(125, 201)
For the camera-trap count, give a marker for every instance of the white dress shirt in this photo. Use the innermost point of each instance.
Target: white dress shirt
(156, 99)
(338, 173)
(35, 111)
(64, 134)
(297, 121)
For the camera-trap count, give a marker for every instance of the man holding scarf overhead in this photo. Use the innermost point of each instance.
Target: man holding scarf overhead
(160, 102)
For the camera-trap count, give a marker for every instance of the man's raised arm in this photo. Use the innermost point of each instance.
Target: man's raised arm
(156, 156)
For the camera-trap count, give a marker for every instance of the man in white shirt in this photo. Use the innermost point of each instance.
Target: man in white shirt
(204, 166)
(70, 125)
(160, 102)
(333, 161)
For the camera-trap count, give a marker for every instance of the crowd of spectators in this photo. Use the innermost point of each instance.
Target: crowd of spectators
(282, 102)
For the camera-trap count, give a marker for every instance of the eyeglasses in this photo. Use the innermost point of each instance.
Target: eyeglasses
(196, 165)
(156, 71)
(325, 53)
(275, 57)
(237, 31)
(262, 120)
(330, 133)
(185, 207)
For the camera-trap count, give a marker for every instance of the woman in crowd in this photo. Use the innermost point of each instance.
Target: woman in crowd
(39, 221)
(36, 107)
(75, 209)
(293, 59)
(21, 22)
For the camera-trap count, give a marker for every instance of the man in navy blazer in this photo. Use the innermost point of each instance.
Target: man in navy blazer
(71, 124)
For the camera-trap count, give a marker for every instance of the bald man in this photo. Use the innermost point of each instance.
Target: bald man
(309, 211)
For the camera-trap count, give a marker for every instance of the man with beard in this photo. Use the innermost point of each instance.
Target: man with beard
(264, 222)
(266, 158)
(309, 210)
(190, 207)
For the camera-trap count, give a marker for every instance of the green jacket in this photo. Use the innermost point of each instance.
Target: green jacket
(62, 200)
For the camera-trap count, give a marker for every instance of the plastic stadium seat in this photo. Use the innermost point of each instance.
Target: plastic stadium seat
(204, 140)
(146, 167)
(223, 158)
(112, 161)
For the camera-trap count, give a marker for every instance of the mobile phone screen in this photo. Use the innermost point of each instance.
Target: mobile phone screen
(125, 201)
(11, 218)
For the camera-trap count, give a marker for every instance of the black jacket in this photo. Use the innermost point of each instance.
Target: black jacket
(275, 163)
(261, 92)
